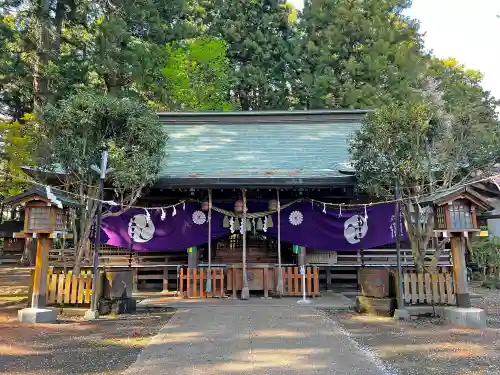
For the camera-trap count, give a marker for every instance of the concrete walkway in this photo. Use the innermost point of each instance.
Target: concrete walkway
(252, 339)
(328, 300)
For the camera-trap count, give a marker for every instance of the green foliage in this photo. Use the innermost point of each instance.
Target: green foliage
(467, 131)
(16, 81)
(72, 135)
(356, 54)
(74, 131)
(17, 145)
(390, 146)
(127, 40)
(198, 75)
(485, 251)
(434, 142)
(259, 36)
(116, 46)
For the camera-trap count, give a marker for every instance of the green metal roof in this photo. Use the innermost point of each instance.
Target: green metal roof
(265, 148)
(62, 197)
(441, 197)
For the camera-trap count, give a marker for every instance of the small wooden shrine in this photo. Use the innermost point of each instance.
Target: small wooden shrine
(455, 217)
(43, 212)
(46, 216)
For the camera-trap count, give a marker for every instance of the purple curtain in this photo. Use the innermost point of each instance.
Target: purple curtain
(302, 223)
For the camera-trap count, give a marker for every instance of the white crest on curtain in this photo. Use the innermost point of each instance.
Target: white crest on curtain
(199, 217)
(141, 228)
(296, 218)
(355, 228)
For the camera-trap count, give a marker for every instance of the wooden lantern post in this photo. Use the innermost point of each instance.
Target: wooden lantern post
(45, 217)
(245, 291)
(455, 216)
(44, 244)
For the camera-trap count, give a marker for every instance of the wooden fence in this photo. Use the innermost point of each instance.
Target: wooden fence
(192, 283)
(371, 258)
(69, 289)
(292, 281)
(426, 288)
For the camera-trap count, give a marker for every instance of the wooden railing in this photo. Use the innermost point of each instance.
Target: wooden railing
(63, 258)
(117, 257)
(371, 258)
(428, 288)
(120, 257)
(68, 288)
(292, 281)
(192, 283)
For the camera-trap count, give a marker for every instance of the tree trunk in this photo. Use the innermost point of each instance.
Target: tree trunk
(437, 254)
(59, 19)
(26, 258)
(40, 84)
(87, 221)
(418, 259)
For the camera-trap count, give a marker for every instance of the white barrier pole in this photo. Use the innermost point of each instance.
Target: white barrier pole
(304, 299)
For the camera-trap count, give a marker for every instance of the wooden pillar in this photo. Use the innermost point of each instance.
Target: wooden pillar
(135, 279)
(265, 278)
(280, 274)
(460, 271)
(192, 264)
(328, 270)
(233, 281)
(209, 271)
(301, 256)
(245, 292)
(192, 257)
(165, 279)
(44, 244)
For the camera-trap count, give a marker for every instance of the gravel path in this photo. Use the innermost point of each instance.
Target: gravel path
(255, 340)
(107, 346)
(428, 346)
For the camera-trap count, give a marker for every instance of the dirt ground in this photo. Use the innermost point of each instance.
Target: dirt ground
(75, 346)
(426, 345)
(72, 346)
(14, 281)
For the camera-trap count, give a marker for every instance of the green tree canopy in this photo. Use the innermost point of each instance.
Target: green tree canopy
(198, 75)
(73, 133)
(429, 144)
(259, 36)
(356, 54)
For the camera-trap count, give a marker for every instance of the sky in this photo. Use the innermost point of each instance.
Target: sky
(467, 30)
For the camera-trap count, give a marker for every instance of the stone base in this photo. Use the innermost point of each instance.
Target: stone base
(471, 317)
(34, 315)
(375, 306)
(425, 310)
(208, 285)
(401, 314)
(91, 314)
(304, 301)
(245, 293)
(106, 306)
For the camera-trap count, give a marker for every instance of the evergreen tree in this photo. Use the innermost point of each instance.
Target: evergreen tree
(356, 54)
(259, 36)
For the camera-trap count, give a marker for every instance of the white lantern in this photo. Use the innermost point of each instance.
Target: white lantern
(273, 205)
(238, 206)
